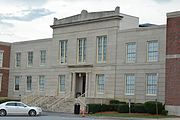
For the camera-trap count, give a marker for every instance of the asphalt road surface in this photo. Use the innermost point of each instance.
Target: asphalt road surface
(54, 116)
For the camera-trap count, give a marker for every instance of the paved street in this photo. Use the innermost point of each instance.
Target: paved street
(62, 116)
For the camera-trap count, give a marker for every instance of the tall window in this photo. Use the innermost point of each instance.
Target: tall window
(61, 83)
(30, 58)
(131, 52)
(1, 58)
(152, 79)
(0, 81)
(16, 83)
(101, 49)
(41, 82)
(130, 84)
(18, 59)
(82, 50)
(152, 51)
(63, 51)
(29, 83)
(42, 57)
(100, 83)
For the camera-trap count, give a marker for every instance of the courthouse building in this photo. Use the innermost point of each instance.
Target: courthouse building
(100, 56)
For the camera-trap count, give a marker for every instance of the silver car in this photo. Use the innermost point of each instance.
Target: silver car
(18, 108)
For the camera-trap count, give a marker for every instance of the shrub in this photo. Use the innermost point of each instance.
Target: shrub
(164, 112)
(150, 107)
(6, 100)
(138, 108)
(123, 108)
(94, 108)
(116, 102)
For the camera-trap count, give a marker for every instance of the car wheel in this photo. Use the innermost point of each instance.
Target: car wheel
(32, 113)
(3, 113)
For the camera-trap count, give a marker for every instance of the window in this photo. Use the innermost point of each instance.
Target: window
(131, 52)
(29, 83)
(43, 57)
(61, 83)
(1, 58)
(63, 51)
(0, 81)
(82, 50)
(130, 84)
(152, 79)
(41, 82)
(100, 82)
(16, 83)
(101, 49)
(152, 51)
(18, 59)
(11, 104)
(30, 59)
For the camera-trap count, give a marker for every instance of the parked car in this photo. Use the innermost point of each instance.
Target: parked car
(18, 108)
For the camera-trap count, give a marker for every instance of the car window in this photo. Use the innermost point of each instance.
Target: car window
(11, 104)
(20, 104)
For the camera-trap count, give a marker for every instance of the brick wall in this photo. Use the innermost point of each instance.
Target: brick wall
(5, 69)
(172, 95)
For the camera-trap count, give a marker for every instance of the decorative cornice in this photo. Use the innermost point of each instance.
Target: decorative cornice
(80, 66)
(87, 21)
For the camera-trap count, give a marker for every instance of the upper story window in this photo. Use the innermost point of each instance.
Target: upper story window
(130, 84)
(101, 49)
(41, 82)
(81, 50)
(42, 57)
(62, 83)
(18, 59)
(17, 83)
(63, 51)
(29, 83)
(1, 58)
(131, 52)
(30, 59)
(152, 54)
(152, 79)
(0, 81)
(100, 83)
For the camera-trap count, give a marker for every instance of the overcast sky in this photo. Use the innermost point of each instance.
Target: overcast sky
(22, 20)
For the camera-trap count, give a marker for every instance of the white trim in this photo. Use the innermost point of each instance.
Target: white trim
(1, 63)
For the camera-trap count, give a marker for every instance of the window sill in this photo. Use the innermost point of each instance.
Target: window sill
(151, 95)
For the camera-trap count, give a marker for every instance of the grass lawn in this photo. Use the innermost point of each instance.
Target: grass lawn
(134, 115)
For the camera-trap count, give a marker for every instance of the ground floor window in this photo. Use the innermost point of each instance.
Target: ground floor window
(16, 83)
(41, 82)
(152, 79)
(100, 83)
(130, 84)
(62, 83)
(29, 83)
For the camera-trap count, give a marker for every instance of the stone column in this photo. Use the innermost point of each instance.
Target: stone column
(87, 83)
(73, 84)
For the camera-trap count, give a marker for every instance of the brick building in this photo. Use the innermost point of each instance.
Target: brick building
(172, 96)
(100, 56)
(4, 68)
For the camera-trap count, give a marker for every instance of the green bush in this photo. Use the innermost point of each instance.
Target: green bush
(116, 102)
(138, 108)
(6, 100)
(123, 108)
(94, 108)
(164, 112)
(150, 107)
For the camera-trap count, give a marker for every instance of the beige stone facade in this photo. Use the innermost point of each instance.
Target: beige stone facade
(105, 79)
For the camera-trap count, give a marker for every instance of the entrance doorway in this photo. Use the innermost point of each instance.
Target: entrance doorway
(80, 84)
